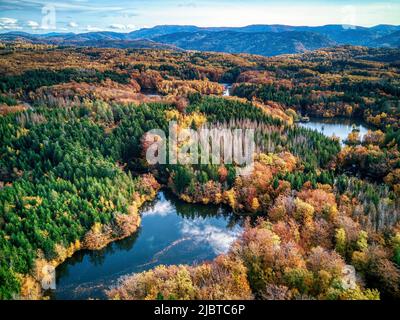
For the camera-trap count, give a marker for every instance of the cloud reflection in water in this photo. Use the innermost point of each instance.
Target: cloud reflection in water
(161, 208)
(218, 238)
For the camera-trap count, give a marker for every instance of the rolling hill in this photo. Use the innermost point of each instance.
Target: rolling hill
(261, 43)
(267, 40)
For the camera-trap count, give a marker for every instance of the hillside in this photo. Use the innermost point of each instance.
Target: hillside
(97, 40)
(267, 40)
(263, 43)
(391, 40)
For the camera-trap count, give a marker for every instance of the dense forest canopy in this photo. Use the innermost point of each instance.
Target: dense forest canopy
(73, 172)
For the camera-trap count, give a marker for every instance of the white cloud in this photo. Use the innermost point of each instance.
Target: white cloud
(161, 208)
(36, 26)
(32, 24)
(219, 239)
(118, 26)
(9, 24)
(72, 24)
(132, 27)
(91, 28)
(187, 5)
(8, 21)
(68, 6)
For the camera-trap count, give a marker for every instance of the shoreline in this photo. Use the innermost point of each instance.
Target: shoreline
(31, 288)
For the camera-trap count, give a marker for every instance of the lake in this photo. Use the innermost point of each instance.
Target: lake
(227, 89)
(172, 232)
(338, 127)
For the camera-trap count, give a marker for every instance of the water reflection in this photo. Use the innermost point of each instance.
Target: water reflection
(172, 232)
(219, 239)
(337, 127)
(227, 89)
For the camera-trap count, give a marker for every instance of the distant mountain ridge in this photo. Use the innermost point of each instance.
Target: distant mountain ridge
(93, 39)
(261, 43)
(267, 40)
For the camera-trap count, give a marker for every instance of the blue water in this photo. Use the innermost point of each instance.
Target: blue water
(335, 127)
(172, 232)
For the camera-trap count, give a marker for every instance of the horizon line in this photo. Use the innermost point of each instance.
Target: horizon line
(189, 25)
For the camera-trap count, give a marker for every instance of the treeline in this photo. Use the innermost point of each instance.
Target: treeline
(375, 157)
(339, 99)
(33, 79)
(272, 134)
(7, 100)
(60, 177)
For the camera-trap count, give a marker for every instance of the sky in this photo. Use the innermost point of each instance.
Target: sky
(42, 16)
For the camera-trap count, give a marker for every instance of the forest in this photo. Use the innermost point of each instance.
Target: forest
(73, 173)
